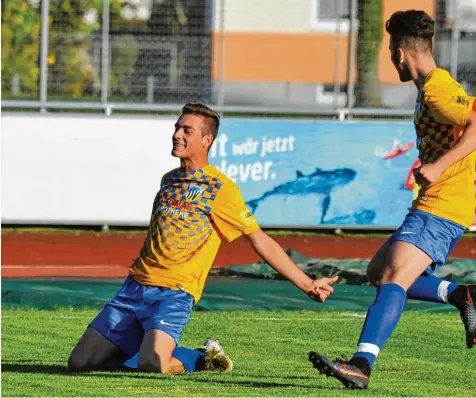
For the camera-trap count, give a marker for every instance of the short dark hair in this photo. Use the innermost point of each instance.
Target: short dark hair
(212, 118)
(412, 28)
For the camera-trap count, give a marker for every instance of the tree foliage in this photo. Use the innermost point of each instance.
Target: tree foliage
(71, 23)
(20, 44)
(370, 34)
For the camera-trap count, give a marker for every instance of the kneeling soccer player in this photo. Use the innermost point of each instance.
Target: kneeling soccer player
(195, 207)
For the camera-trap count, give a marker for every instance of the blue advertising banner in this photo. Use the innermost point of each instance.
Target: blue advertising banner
(310, 174)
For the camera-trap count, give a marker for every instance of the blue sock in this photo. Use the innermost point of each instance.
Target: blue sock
(382, 318)
(132, 363)
(431, 288)
(191, 359)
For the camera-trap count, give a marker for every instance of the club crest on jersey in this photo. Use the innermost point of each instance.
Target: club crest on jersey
(193, 192)
(418, 104)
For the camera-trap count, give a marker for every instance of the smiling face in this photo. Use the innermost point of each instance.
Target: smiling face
(189, 139)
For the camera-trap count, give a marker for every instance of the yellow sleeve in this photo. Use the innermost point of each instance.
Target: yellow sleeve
(230, 214)
(416, 190)
(449, 103)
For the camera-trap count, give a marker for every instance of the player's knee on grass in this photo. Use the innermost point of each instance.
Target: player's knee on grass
(81, 362)
(153, 362)
(92, 352)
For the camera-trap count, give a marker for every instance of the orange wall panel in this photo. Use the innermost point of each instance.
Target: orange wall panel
(278, 57)
(299, 57)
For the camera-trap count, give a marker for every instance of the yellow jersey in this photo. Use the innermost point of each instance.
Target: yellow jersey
(442, 109)
(192, 212)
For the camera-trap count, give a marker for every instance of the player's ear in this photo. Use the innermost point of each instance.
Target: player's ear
(401, 54)
(207, 140)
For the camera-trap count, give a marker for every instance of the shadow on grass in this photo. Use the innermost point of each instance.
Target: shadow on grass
(61, 369)
(260, 384)
(28, 368)
(19, 367)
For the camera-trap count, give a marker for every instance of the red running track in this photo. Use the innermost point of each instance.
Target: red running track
(31, 254)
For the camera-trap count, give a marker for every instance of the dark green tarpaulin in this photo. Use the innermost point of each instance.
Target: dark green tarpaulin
(254, 286)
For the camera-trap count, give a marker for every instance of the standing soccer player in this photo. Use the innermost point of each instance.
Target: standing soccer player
(445, 122)
(196, 207)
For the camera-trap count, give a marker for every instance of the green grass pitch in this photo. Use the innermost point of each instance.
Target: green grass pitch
(426, 356)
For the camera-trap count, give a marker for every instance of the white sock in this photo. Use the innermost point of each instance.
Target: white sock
(443, 291)
(369, 348)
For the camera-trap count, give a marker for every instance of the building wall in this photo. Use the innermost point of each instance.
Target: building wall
(276, 41)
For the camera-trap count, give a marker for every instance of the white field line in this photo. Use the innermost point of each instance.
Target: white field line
(240, 319)
(339, 317)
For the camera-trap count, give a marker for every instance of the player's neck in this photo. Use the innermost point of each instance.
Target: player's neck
(426, 65)
(192, 164)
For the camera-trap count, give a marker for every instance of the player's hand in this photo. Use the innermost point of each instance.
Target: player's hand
(427, 174)
(320, 289)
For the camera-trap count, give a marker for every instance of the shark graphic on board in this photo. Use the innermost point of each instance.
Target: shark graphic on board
(322, 182)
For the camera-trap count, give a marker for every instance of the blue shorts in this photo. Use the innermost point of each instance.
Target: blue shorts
(434, 235)
(137, 308)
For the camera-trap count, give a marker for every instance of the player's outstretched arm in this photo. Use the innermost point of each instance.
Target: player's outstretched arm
(276, 257)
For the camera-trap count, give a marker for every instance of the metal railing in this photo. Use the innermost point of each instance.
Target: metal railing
(108, 109)
(98, 60)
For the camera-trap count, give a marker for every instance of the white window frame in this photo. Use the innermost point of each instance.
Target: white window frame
(326, 26)
(462, 12)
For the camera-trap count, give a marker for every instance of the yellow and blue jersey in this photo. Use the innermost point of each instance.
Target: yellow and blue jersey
(441, 113)
(192, 212)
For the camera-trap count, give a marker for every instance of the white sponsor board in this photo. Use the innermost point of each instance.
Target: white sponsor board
(95, 170)
(83, 169)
